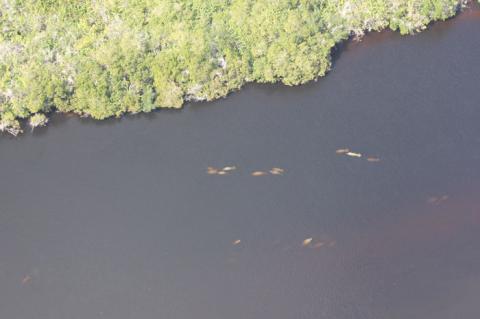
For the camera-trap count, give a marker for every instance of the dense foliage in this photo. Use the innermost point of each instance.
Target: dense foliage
(103, 58)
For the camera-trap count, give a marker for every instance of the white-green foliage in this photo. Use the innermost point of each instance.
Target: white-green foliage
(38, 120)
(103, 58)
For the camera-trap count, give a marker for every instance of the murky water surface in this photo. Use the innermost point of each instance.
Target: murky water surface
(123, 218)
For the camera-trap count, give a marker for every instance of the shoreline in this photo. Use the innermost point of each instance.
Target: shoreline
(471, 10)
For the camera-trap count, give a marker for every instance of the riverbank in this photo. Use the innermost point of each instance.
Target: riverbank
(109, 59)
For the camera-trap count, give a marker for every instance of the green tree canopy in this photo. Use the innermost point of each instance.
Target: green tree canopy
(109, 57)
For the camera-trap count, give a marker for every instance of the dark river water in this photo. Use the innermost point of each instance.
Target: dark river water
(119, 219)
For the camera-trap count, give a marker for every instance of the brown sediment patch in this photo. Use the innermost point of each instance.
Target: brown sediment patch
(471, 12)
